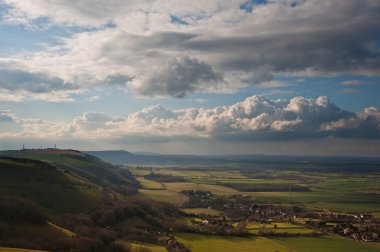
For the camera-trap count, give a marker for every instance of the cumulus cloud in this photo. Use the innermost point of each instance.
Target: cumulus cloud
(365, 124)
(137, 42)
(181, 76)
(256, 118)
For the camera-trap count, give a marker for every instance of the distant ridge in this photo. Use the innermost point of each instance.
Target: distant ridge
(254, 161)
(113, 156)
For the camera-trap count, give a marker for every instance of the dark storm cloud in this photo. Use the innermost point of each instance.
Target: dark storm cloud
(349, 49)
(14, 80)
(181, 76)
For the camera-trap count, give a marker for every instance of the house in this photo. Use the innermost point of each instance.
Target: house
(347, 231)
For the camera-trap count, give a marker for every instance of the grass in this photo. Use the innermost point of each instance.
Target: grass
(29, 232)
(225, 175)
(163, 196)
(202, 211)
(45, 185)
(278, 224)
(334, 192)
(346, 207)
(200, 243)
(212, 243)
(63, 230)
(5, 249)
(325, 244)
(91, 168)
(154, 248)
(282, 231)
(350, 184)
(150, 184)
(189, 174)
(323, 200)
(215, 189)
(139, 172)
(190, 220)
(376, 214)
(137, 246)
(246, 181)
(282, 227)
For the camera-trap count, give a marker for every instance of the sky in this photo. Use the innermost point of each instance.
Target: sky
(288, 77)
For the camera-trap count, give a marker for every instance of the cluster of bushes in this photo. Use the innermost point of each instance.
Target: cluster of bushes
(96, 231)
(15, 210)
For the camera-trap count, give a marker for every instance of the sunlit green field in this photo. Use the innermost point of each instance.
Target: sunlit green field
(349, 184)
(325, 244)
(328, 191)
(323, 200)
(163, 196)
(142, 247)
(211, 243)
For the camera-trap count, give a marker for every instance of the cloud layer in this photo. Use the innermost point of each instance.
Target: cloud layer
(175, 48)
(254, 119)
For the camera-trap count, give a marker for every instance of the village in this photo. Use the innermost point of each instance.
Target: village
(240, 215)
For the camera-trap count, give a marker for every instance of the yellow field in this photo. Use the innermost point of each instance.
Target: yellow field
(149, 184)
(215, 189)
(271, 225)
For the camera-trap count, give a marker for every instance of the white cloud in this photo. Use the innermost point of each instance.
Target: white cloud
(255, 118)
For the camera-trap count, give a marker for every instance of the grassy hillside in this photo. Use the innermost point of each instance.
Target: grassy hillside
(83, 165)
(62, 180)
(46, 185)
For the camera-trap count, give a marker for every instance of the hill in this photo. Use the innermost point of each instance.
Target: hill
(65, 200)
(43, 183)
(83, 166)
